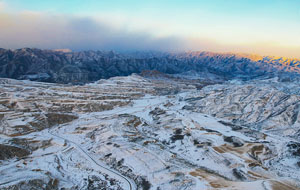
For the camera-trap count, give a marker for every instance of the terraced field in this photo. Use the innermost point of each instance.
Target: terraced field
(149, 133)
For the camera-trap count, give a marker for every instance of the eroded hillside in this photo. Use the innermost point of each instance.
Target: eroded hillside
(150, 133)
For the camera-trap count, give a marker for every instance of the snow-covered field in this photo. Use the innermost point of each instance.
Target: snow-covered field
(124, 133)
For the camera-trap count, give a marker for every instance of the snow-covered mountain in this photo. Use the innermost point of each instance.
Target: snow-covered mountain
(64, 66)
(155, 131)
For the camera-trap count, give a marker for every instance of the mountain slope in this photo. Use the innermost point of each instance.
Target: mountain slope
(125, 133)
(82, 67)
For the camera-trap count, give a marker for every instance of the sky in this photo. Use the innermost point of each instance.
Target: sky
(265, 27)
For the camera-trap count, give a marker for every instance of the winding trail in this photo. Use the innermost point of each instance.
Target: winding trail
(128, 183)
(141, 106)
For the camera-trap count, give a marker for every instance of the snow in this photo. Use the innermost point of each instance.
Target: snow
(128, 143)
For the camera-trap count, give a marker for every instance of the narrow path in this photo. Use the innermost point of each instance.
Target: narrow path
(130, 184)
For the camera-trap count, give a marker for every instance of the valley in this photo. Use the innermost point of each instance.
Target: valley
(150, 133)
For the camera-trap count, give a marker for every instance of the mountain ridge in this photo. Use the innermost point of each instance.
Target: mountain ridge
(86, 66)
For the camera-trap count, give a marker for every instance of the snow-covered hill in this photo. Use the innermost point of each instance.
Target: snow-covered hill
(159, 133)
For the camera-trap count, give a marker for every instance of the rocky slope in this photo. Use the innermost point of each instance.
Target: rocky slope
(82, 67)
(160, 133)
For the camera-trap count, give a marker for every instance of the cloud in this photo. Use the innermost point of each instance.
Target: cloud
(34, 29)
(58, 31)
